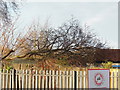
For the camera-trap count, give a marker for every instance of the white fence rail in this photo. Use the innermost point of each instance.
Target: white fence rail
(49, 79)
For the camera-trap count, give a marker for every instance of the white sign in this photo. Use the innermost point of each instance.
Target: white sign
(98, 78)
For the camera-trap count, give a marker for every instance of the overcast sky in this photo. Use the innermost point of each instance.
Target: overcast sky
(100, 16)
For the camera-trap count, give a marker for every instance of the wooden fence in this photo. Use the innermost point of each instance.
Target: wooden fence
(115, 78)
(49, 79)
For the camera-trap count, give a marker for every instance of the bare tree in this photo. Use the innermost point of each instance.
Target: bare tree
(35, 41)
(7, 9)
(9, 38)
(69, 39)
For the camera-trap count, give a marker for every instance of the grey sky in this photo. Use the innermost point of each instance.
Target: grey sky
(101, 16)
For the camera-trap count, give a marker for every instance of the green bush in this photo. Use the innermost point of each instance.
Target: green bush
(9, 68)
(107, 65)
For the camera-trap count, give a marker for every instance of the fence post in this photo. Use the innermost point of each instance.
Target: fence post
(0, 79)
(13, 79)
(70, 82)
(73, 85)
(63, 80)
(81, 84)
(39, 80)
(60, 79)
(50, 79)
(3, 82)
(30, 79)
(26, 72)
(77, 83)
(67, 79)
(16, 79)
(57, 80)
(43, 73)
(33, 79)
(46, 79)
(7, 79)
(75, 77)
(22, 79)
(84, 75)
(118, 79)
(53, 79)
(36, 79)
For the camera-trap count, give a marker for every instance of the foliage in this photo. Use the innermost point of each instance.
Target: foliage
(62, 61)
(9, 68)
(107, 65)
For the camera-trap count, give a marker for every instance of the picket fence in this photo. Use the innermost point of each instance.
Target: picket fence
(37, 79)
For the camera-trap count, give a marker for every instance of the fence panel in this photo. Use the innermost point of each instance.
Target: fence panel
(50, 79)
(115, 79)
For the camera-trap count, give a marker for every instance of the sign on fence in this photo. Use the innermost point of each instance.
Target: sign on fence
(98, 78)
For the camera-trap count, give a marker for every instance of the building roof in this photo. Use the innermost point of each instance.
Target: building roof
(108, 55)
